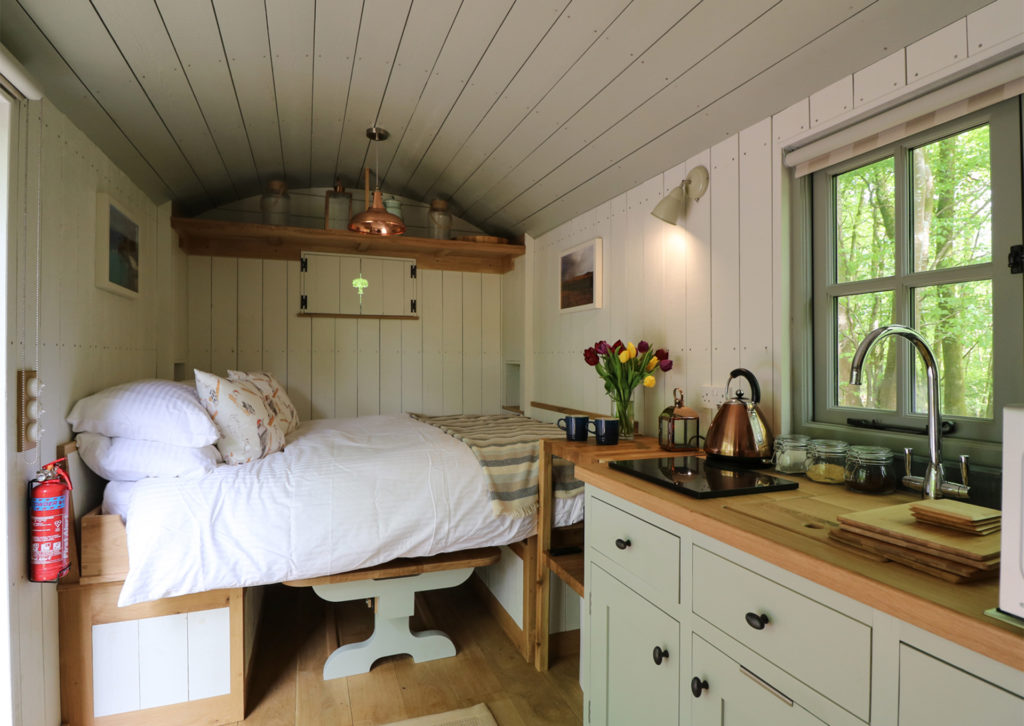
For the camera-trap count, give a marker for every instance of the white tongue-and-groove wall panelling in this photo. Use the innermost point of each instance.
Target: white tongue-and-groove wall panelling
(243, 314)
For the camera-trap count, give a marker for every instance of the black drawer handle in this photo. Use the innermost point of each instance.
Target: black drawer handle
(697, 686)
(623, 543)
(757, 621)
(659, 655)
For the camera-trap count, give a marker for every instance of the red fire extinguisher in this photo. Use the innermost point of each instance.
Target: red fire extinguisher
(48, 504)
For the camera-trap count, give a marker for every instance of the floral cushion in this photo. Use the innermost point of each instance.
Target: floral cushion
(283, 414)
(247, 432)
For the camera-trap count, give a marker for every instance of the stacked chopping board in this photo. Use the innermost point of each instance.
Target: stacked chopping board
(953, 540)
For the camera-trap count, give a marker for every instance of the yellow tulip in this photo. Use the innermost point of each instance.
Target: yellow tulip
(649, 382)
(652, 362)
(624, 356)
(631, 349)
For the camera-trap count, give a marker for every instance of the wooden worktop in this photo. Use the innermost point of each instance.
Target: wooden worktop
(954, 612)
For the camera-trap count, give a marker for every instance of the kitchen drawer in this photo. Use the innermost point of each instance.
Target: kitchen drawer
(646, 552)
(819, 646)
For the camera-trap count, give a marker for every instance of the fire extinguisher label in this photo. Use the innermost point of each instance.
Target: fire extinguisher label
(42, 505)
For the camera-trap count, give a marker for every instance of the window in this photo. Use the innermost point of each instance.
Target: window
(918, 233)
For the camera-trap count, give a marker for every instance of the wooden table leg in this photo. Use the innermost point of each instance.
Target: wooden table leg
(543, 611)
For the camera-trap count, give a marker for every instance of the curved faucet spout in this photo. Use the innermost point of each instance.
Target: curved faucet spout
(934, 475)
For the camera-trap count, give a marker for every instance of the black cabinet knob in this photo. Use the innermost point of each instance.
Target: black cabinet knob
(659, 655)
(623, 543)
(697, 685)
(757, 620)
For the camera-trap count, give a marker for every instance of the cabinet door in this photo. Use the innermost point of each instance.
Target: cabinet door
(735, 696)
(935, 693)
(627, 686)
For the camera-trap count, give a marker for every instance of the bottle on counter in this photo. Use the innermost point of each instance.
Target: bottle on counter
(826, 460)
(791, 453)
(869, 469)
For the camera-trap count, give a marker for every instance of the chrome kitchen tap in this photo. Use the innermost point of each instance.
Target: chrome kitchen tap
(933, 484)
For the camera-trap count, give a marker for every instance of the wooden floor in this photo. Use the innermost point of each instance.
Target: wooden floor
(298, 630)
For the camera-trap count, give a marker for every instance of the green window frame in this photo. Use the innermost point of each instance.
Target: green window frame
(817, 294)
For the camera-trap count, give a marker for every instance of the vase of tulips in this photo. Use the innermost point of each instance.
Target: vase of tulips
(623, 367)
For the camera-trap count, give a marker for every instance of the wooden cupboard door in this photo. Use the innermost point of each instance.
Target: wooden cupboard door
(936, 693)
(735, 696)
(627, 686)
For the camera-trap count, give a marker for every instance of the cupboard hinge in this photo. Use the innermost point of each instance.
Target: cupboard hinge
(412, 271)
(1016, 260)
(412, 306)
(302, 302)
(304, 264)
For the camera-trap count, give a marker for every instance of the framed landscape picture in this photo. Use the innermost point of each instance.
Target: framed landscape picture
(579, 286)
(117, 247)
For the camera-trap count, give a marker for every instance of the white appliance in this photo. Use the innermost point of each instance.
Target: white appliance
(1011, 568)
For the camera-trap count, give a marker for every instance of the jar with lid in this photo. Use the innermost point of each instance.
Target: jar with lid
(826, 460)
(440, 220)
(275, 203)
(869, 469)
(791, 453)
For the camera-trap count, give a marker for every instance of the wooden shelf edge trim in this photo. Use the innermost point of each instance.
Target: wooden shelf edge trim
(358, 317)
(566, 410)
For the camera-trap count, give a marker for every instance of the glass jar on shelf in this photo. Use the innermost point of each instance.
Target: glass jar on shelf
(826, 460)
(869, 469)
(791, 453)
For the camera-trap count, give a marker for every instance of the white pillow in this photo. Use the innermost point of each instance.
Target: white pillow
(121, 459)
(241, 416)
(285, 416)
(152, 410)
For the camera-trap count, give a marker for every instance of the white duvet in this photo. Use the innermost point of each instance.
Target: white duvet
(343, 494)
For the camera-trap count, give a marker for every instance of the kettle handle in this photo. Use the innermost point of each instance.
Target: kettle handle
(755, 388)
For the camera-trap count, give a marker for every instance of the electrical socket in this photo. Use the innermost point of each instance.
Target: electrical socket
(713, 396)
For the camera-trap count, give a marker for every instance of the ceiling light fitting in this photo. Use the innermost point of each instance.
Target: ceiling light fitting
(673, 204)
(376, 219)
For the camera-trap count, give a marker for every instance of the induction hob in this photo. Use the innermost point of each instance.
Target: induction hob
(702, 478)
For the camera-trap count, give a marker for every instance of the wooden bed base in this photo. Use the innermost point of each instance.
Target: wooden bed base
(88, 598)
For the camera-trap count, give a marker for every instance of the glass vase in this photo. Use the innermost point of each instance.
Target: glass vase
(624, 412)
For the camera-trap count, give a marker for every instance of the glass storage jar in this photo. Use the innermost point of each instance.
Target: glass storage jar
(791, 453)
(869, 469)
(826, 460)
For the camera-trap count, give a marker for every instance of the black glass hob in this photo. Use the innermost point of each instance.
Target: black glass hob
(702, 478)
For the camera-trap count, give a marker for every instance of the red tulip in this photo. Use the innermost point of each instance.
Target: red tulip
(661, 354)
(618, 345)
(590, 356)
(666, 365)
(601, 347)
(643, 346)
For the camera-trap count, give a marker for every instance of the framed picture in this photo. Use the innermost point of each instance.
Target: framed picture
(118, 238)
(579, 280)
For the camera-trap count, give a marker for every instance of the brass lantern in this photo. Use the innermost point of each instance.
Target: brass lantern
(679, 426)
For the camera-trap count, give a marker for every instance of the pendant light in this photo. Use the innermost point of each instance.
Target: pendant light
(376, 219)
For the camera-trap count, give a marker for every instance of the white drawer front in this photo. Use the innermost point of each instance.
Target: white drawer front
(647, 552)
(825, 649)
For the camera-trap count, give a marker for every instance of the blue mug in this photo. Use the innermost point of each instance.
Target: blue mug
(575, 427)
(606, 430)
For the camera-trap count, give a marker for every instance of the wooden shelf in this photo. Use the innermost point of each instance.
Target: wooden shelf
(569, 569)
(264, 241)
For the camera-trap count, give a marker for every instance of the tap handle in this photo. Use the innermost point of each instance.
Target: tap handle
(965, 470)
(907, 457)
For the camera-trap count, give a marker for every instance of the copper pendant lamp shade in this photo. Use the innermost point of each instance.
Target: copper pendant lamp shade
(376, 219)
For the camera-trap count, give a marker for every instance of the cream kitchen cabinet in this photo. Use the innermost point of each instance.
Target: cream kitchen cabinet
(749, 641)
(635, 668)
(726, 693)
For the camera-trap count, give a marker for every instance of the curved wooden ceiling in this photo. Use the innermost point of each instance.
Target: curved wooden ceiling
(523, 113)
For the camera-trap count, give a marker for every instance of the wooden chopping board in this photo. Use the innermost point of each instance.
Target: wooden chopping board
(898, 523)
(948, 570)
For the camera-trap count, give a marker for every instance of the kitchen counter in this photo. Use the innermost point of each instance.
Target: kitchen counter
(955, 612)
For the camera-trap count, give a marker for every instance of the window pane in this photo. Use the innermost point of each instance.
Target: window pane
(953, 202)
(956, 320)
(856, 316)
(865, 222)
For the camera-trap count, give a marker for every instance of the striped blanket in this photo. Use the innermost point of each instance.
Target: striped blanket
(508, 449)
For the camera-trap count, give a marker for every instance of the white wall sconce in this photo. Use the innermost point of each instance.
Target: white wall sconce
(673, 204)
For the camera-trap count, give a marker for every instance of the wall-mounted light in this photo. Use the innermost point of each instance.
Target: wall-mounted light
(673, 204)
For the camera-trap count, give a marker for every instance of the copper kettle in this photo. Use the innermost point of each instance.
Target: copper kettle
(740, 431)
